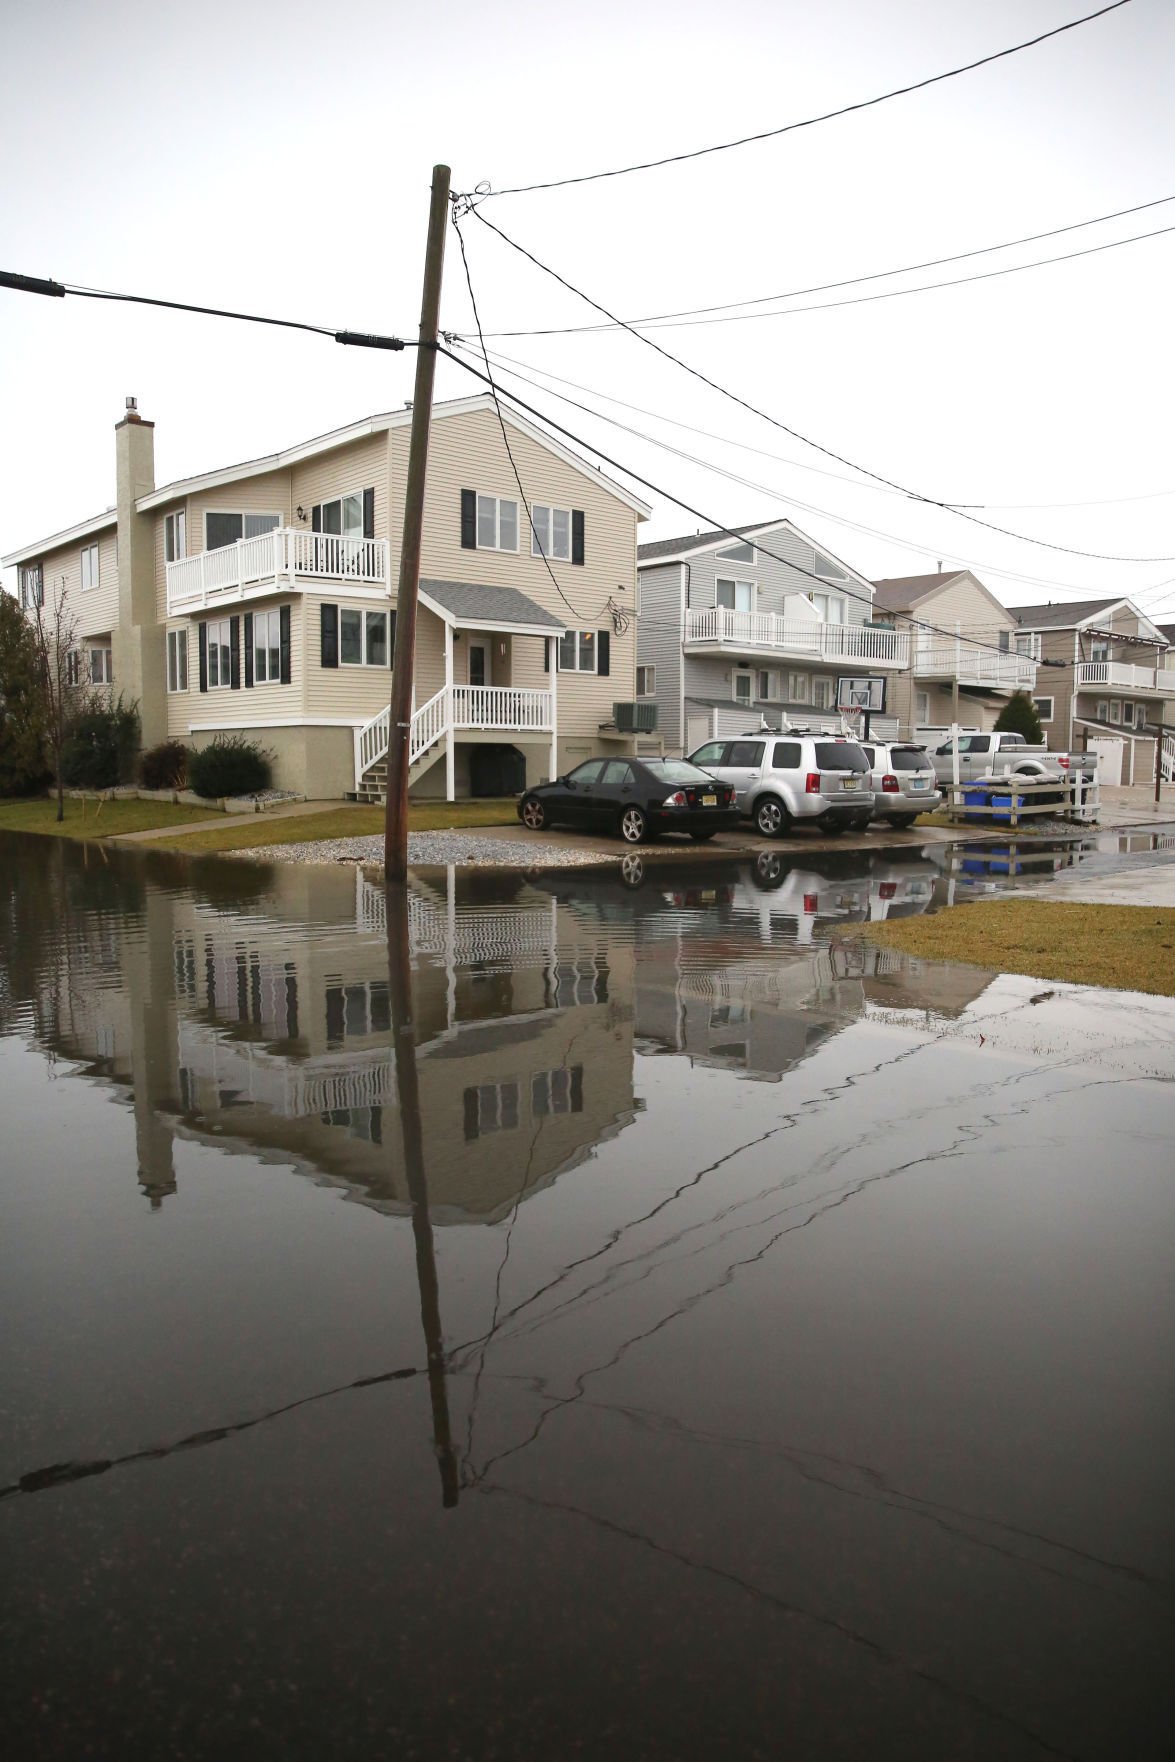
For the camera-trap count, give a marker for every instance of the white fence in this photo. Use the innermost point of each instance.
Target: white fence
(806, 640)
(1120, 675)
(280, 556)
(973, 664)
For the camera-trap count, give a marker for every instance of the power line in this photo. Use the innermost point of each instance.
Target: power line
(717, 525)
(32, 284)
(785, 428)
(670, 322)
(810, 121)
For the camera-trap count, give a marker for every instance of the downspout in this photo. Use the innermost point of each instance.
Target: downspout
(683, 742)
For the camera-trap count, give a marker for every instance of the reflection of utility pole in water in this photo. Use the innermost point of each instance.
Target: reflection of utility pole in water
(408, 1092)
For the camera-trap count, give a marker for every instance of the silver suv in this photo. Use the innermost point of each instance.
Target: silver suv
(787, 777)
(904, 784)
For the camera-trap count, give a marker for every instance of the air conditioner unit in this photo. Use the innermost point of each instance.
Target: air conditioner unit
(638, 718)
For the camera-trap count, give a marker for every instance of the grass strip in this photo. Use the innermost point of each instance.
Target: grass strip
(90, 819)
(350, 820)
(1123, 947)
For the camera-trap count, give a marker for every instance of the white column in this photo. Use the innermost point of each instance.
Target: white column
(552, 643)
(450, 749)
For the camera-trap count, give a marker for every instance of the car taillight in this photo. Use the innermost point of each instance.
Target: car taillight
(888, 890)
(811, 902)
(891, 785)
(812, 783)
(677, 800)
(1063, 761)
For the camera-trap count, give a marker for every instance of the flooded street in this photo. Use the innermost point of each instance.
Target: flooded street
(587, 1315)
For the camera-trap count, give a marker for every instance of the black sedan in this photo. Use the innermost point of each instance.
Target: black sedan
(638, 798)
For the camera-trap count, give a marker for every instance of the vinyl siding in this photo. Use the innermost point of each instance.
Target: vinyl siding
(345, 471)
(659, 636)
(250, 706)
(778, 583)
(964, 603)
(95, 612)
(271, 493)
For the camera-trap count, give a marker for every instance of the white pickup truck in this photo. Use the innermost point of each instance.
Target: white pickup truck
(995, 755)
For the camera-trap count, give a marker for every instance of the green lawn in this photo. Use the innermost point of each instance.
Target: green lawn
(349, 820)
(97, 819)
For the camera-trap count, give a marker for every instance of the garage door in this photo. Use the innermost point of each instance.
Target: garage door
(1109, 760)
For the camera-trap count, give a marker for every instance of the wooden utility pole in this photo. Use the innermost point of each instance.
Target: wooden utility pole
(400, 717)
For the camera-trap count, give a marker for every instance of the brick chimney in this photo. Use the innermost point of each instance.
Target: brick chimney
(139, 641)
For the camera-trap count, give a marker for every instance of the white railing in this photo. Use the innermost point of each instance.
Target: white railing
(1123, 677)
(429, 722)
(1167, 758)
(807, 639)
(974, 664)
(281, 556)
(500, 706)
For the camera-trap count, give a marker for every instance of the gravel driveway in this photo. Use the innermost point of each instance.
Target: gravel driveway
(468, 848)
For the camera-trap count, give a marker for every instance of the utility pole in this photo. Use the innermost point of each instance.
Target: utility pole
(400, 716)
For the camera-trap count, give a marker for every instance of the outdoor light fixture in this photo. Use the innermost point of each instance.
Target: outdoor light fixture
(300, 512)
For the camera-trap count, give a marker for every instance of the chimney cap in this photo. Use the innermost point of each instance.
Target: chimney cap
(132, 403)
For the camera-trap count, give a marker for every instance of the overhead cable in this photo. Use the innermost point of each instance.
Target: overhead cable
(809, 121)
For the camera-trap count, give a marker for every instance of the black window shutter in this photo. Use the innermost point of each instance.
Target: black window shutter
(316, 517)
(248, 649)
(468, 520)
(391, 639)
(234, 653)
(577, 535)
(603, 653)
(369, 513)
(283, 619)
(330, 635)
(203, 657)
(547, 641)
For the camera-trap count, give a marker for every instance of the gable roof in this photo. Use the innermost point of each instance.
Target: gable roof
(1061, 616)
(497, 608)
(670, 550)
(897, 593)
(83, 529)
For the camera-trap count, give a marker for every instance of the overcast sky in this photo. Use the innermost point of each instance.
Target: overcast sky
(276, 157)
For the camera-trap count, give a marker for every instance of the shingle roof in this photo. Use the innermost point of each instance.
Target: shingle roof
(697, 541)
(899, 592)
(1168, 630)
(472, 602)
(1060, 616)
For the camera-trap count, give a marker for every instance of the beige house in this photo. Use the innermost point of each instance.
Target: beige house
(260, 599)
(960, 636)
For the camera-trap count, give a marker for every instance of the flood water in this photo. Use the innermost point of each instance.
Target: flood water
(586, 1316)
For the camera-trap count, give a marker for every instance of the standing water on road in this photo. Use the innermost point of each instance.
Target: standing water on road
(585, 1316)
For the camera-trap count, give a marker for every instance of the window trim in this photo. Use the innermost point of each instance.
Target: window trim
(819, 557)
(578, 635)
(498, 501)
(91, 551)
(1052, 704)
(799, 688)
(175, 535)
(246, 514)
(73, 668)
(174, 668)
(212, 624)
(649, 689)
(827, 688)
(1101, 710)
(741, 673)
(103, 675)
(32, 585)
(537, 547)
(363, 613)
(751, 562)
(267, 648)
(735, 583)
(1116, 711)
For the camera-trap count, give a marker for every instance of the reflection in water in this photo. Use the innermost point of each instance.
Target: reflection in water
(795, 1359)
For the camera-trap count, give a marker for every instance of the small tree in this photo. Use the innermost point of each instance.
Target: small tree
(1019, 716)
(59, 670)
(22, 729)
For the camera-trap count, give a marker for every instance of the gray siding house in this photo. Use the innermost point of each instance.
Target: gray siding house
(759, 625)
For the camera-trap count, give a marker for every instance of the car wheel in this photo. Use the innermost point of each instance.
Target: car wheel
(771, 817)
(634, 826)
(701, 837)
(769, 870)
(632, 870)
(534, 814)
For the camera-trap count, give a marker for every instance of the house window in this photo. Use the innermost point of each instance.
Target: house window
(1099, 650)
(744, 553)
(89, 567)
(829, 569)
(32, 586)
(556, 1092)
(765, 681)
(1128, 715)
(797, 688)
(101, 668)
(267, 647)
(1044, 708)
(646, 681)
(922, 707)
(73, 667)
(497, 524)
(822, 693)
(550, 533)
(577, 651)
(736, 596)
(830, 607)
(1140, 715)
(1028, 645)
(363, 638)
(1103, 709)
(1115, 710)
(175, 536)
(490, 1107)
(177, 660)
(742, 687)
(344, 516)
(219, 653)
(222, 528)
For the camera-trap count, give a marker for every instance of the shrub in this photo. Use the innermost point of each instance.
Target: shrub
(1019, 716)
(22, 707)
(232, 765)
(100, 743)
(164, 766)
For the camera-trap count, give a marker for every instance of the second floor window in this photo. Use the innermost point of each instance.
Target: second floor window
(32, 586)
(736, 596)
(175, 536)
(497, 524)
(577, 652)
(89, 567)
(551, 534)
(219, 653)
(267, 651)
(646, 681)
(1099, 650)
(830, 607)
(223, 528)
(177, 660)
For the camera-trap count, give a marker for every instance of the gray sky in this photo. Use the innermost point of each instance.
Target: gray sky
(277, 158)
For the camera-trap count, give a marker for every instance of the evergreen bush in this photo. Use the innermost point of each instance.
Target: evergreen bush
(1019, 716)
(100, 745)
(231, 765)
(22, 708)
(164, 766)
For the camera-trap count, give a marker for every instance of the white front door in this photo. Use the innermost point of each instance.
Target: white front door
(479, 663)
(1109, 760)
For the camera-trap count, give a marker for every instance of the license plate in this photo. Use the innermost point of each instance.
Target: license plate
(849, 783)
(709, 801)
(919, 783)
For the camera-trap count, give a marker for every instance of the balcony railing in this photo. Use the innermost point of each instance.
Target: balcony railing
(279, 558)
(767, 632)
(972, 663)
(500, 706)
(1121, 676)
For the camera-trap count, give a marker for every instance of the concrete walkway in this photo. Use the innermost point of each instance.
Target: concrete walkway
(1143, 883)
(287, 811)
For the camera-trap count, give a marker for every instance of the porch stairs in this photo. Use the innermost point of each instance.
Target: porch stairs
(1167, 758)
(509, 710)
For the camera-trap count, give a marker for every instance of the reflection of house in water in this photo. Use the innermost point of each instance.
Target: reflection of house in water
(268, 1022)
